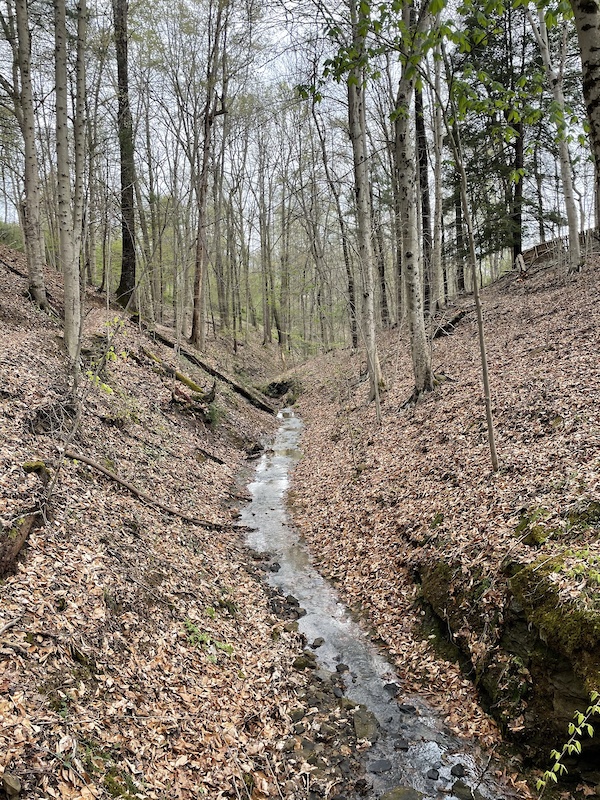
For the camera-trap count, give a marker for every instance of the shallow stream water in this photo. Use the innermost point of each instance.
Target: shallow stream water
(414, 747)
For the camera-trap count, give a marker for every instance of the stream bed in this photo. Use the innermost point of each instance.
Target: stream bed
(413, 750)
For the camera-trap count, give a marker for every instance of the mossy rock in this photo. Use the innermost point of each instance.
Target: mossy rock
(584, 514)
(455, 597)
(569, 627)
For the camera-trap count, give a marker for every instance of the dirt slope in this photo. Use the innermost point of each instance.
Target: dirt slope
(137, 652)
(408, 516)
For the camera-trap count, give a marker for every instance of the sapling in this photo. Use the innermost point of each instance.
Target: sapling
(572, 746)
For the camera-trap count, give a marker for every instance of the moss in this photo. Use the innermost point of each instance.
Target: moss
(532, 529)
(119, 784)
(437, 520)
(34, 466)
(585, 514)
(568, 627)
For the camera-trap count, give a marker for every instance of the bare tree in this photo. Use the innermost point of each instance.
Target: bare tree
(22, 95)
(554, 76)
(357, 128)
(126, 286)
(70, 201)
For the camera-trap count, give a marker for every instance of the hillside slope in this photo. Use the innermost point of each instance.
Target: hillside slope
(409, 520)
(139, 655)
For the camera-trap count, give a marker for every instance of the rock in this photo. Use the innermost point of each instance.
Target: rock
(299, 728)
(297, 714)
(318, 642)
(292, 601)
(337, 692)
(342, 667)
(303, 662)
(462, 791)
(458, 771)
(11, 784)
(366, 725)
(327, 731)
(433, 774)
(402, 793)
(407, 708)
(291, 627)
(289, 745)
(379, 766)
(392, 689)
(401, 744)
(274, 567)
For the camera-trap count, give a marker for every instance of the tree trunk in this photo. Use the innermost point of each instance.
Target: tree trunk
(34, 240)
(438, 295)
(334, 188)
(406, 177)
(357, 129)
(126, 288)
(210, 111)
(555, 79)
(423, 184)
(587, 22)
(69, 253)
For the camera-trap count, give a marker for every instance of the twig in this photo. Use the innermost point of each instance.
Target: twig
(10, 624)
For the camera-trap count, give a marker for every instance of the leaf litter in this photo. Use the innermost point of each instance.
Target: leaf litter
(137, 656)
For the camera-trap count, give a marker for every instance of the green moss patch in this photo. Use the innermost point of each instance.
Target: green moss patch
(568, 626)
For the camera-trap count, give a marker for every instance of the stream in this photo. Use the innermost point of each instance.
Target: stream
(414, 749)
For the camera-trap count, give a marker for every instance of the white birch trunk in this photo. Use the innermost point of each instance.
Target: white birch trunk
(68, 254)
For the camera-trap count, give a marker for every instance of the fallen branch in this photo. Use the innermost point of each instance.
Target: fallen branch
(211, 526)
(210, 456)
(251, 395)
(173, 373)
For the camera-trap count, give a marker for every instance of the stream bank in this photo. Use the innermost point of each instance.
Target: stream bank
(356, 714)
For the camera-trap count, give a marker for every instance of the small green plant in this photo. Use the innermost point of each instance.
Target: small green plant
(211, 646)
(573, 745)
(96, 381)
(214, 415)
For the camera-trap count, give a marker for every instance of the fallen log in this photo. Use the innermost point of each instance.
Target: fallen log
(15, 540)
(447, 328)
(250, 395)
(211, 526)
(174, 373)
(11, 543)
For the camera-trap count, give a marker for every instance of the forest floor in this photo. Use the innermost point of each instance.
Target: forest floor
(381, 505)
(141, 654)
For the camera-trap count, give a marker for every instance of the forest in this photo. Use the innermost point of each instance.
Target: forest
(314, 173)
(323, 272)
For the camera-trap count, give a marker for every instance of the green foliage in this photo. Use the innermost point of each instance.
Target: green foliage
(212, 647)
(11, 235)
(572, 746)
(214, 415)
